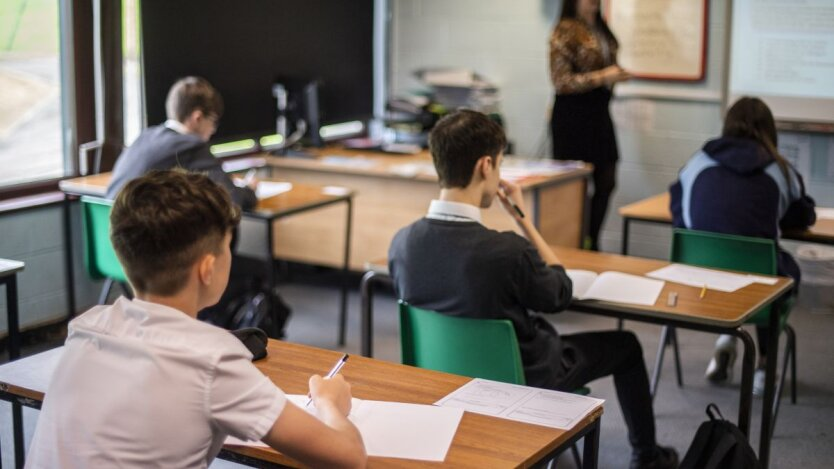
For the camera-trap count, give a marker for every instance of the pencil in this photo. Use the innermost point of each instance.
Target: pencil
(703, 292)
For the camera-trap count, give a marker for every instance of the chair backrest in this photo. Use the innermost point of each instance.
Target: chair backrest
(99, 257)
(480, 348)
(723, 251)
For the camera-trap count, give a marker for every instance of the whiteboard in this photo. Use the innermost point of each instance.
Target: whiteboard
(660, 39)
(783, 52)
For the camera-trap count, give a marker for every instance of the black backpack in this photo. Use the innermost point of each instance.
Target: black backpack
(248, 303)
(719, 444)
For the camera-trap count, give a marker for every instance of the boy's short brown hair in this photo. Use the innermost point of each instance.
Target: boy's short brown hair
(161, 224)
(190, 94)
(459, 140)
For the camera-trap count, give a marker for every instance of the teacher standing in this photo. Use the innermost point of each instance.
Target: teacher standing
(583, 68)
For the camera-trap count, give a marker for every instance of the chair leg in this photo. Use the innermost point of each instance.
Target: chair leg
(658, 363)
(792, 347)
(673, 336)
(576, 457)
(105, 291)
(620, 324)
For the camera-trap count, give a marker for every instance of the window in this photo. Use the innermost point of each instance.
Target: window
(31, 128)
(134, 115)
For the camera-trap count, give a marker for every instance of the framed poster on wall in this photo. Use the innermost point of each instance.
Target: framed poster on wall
(660, 39)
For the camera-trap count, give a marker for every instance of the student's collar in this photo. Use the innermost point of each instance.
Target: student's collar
(453, 211)
(177, 126)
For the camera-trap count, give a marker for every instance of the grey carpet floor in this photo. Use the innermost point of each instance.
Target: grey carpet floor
(803, 436)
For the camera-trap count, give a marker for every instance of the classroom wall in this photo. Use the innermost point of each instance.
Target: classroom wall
(507, 42)
(35, 236)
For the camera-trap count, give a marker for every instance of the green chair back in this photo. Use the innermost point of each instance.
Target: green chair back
(480, 348)
(99, 257)
(723, 251)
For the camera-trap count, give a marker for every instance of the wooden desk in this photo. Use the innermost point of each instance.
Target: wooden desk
(718, 312)
(395, 190)
(481, 441)
(288, 209)
(655, 209)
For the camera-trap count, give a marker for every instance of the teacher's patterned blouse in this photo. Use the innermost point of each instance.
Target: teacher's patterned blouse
(576, 50)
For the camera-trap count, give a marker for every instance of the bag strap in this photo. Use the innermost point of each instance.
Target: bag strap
(712, 408)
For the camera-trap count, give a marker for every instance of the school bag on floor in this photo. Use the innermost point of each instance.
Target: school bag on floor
(719, 444)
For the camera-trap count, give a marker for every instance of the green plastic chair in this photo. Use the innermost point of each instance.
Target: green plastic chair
(742, 253)
(479, 348)
(99, 258)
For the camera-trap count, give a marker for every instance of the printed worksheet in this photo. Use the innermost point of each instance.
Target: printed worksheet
(553, 409)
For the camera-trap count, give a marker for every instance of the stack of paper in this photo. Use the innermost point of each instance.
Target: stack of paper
(615, 287)
(267, 189)
(521, 403)
(393, 429)
(825, 213)
(712, 279)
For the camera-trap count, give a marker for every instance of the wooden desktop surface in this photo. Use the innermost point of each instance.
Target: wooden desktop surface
(717, 308)
(386, 165)
(481, 441)
(656, 209)
(393, 191)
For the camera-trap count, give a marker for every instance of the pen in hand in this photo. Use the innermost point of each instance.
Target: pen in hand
(512, 204)
(338, 366)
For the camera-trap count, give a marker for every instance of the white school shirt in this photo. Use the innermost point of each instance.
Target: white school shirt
(453, 211)
(144, 385)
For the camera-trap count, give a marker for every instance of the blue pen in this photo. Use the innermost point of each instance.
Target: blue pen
(333, 371)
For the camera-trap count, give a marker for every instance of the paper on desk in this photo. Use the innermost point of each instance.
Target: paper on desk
(267, 189)
(521, 403)
(390, 429)
(825, 213)
(699, 277)
(615, 287)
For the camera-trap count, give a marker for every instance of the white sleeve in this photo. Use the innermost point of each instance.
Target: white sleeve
(242, 402)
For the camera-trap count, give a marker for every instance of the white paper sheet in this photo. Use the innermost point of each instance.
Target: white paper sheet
(582, 281)
(764, 280)
(521, 403)
(614, 286)
(824, 213)
(267, 189)
(699, 277)
(394, 429)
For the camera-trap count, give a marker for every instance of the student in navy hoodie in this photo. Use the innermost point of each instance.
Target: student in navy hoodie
(740, 184)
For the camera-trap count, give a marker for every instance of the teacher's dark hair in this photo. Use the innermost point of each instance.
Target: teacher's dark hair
(459, 140)
(750, 118)
(569, 11)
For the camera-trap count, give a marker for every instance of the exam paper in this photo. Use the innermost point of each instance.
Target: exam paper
(699, 277)
(390, 429)
(267, 189)
(825, 213)
(615, 287)
(521, 403)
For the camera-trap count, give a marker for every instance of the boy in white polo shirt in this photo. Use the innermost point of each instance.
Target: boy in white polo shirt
(143, 383)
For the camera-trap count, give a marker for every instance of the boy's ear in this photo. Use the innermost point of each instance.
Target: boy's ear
(205, 268)
(485, 165)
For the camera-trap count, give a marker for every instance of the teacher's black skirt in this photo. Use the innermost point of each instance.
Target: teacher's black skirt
(582, 129)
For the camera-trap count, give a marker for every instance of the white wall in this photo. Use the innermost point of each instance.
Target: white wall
(508, 43)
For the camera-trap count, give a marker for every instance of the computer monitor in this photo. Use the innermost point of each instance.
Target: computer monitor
(244, 47)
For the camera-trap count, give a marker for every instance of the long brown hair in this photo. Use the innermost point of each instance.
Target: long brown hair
(751, 118)
(569, 11)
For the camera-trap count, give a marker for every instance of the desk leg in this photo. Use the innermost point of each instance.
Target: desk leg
(366, 292)
(590, 456)
(770, 385)
(17, 434)
(747, 366)
(13, 317)
(624, 241)
(70, 272)
(345, 275)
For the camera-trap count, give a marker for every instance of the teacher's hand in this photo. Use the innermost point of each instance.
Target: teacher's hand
(613, 74)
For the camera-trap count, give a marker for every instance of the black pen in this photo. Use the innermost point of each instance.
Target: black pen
(338, 366)
(517, 210)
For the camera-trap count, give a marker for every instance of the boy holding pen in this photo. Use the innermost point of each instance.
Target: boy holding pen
(143, 383)
(450, 263)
